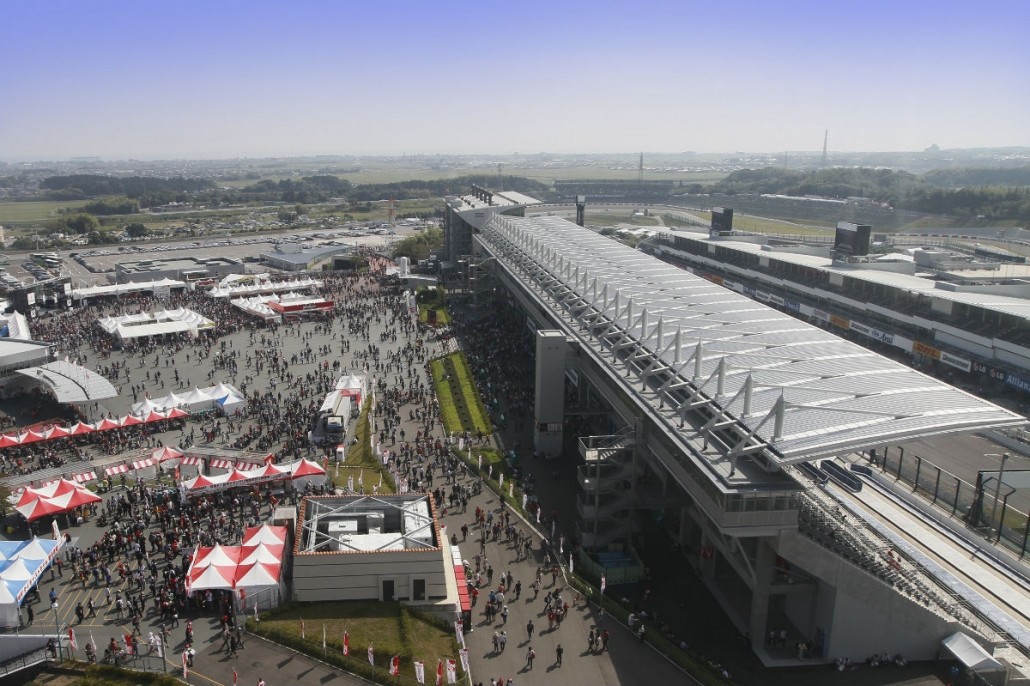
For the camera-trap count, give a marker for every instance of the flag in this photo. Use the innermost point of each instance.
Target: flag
(480, 463)
(395, 666)
(570, 562)
(380, 479)
(452, 671)
(92, 641)
(235, 677)
(160, 646)
(525, 499)
(361, 477)
(420, 671)
(71, 639)
(439, 672)
(500, 480)
(255, 612)
(371, 656)
(604, 583)
(561, 544)
(302, 628)
(350, 482)
(57, 530)
(324, 645)
(464, 655)
(538, 514)
(511, 490)
(458, 630)
(346, 643)
(185, 669)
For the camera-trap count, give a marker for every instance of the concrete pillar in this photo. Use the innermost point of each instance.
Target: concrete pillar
(765, 560)
(549, 404)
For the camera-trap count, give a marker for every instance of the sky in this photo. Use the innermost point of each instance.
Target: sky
(211, 79)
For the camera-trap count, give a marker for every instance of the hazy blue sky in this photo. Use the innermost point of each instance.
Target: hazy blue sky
(186, 78)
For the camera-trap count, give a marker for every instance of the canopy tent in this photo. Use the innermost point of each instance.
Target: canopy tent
(266, 533)
(223, 397)
(973, 656)
(259, 286)
(60, 497)
(122, 288)
(210, 483)
(354, 386)
(162, 322)
(22, 563)
(305, 472)
(248, 570)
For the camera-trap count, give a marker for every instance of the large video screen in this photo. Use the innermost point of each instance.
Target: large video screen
(852, 239)
(722, 220)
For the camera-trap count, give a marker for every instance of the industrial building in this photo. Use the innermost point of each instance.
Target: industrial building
(295, 257)
(179, 268)
(386, 547)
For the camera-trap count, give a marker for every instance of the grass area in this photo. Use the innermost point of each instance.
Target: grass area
(460, 403)
(432, 300)
(391, 628)
(34, 210)
(80, 674)
(360, 457)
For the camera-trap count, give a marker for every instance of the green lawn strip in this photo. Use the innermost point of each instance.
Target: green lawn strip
(473, 400)
(360, 455)
(448, 409)
(390, 628)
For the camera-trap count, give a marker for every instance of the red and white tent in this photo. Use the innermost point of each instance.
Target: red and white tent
(55, 498)
(165, 453)
(250, 570)
(266, 533)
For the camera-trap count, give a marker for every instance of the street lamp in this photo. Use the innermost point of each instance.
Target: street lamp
(997, 496)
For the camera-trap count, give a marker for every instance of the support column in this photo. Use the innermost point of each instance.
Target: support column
(765, 560)
(549, 404)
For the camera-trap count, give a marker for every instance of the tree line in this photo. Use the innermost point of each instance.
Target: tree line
(936, 192)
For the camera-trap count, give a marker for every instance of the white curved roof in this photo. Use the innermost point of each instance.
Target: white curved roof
(759, 380)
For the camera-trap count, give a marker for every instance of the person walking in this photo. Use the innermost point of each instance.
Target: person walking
(529, 629)
(558, 652)
(530, 656)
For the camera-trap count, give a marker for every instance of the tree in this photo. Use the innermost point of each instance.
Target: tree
(82, 223)
(136, 230)
(418, 246)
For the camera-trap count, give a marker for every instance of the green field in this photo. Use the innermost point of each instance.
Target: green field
(34, 210)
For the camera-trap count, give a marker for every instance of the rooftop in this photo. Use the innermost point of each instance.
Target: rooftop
(718, 368)
(365, 524)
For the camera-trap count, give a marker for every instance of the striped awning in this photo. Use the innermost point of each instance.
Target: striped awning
(117, 469)
(84, 477)
(191, 460)
(221, 464)
(143, 464)
(246, 465)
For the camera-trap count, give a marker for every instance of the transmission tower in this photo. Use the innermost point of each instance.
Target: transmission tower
(391, 210)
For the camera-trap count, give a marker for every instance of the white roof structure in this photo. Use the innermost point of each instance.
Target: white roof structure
(122, 288)
(259, 287)
(160, 322)
(71, 383)
(715, 365)
(17, 326)
(258, 304)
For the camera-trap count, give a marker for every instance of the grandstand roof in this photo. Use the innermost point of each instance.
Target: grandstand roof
(1018, 307)
(744, 376)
